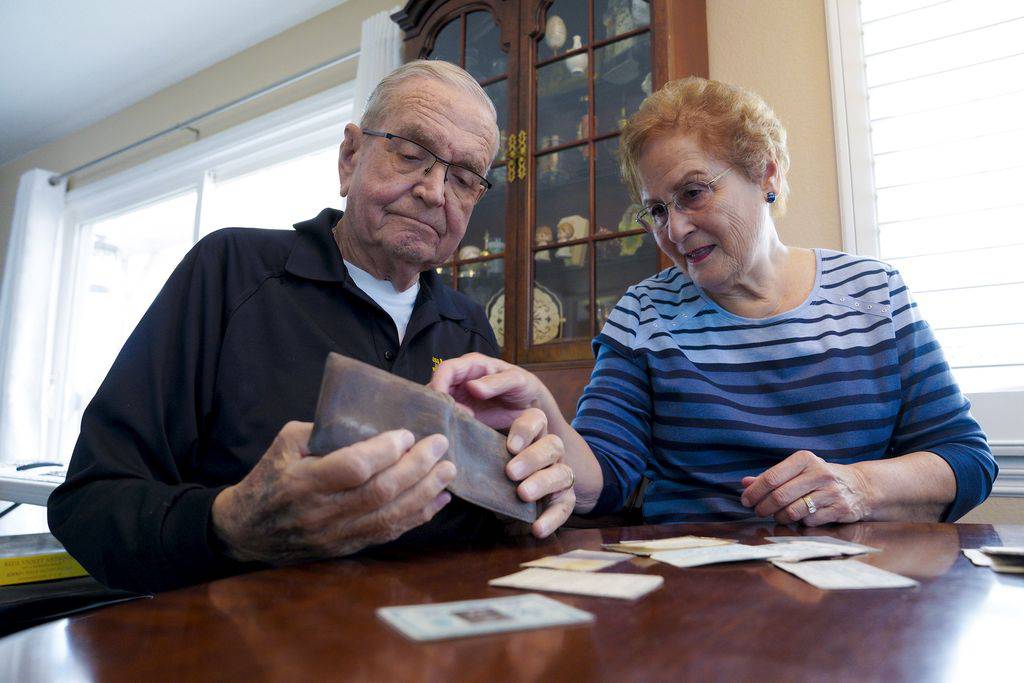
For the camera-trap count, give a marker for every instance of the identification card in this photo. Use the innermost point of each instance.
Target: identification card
(824, 539)
(578, 561)
(844, 575)
(479, 617)
(810, 550)
(604, 584)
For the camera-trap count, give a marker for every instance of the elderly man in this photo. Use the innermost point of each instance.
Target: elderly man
(190, 464)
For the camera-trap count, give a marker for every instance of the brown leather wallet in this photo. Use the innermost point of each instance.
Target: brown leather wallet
(358, 401)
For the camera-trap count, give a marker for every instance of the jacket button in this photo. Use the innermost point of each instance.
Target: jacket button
(389, 355)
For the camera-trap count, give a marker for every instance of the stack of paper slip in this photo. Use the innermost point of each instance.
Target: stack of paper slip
(649, 547)
(599, 584)
(798, 551)
(824, 539)
(578, 561)
(697, 557)
(844, 575)
(1005, 559)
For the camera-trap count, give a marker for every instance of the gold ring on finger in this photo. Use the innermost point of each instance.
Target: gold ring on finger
(811, 507)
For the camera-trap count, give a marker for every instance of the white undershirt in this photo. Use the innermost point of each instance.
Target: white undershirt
(397, 304)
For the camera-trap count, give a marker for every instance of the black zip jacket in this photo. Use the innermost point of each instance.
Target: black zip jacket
(232, 348)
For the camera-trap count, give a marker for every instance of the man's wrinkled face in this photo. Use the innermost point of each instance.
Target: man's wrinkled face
(415, 218)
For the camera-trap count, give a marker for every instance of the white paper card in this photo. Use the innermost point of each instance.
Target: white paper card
(605, 584)
(809, 550)
(578, 561)
(479, 617)
(823, 539)
(696, 557)
(844, 575)
(978, 558)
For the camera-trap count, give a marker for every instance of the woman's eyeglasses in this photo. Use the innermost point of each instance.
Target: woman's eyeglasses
(412, 157)
(690, 198)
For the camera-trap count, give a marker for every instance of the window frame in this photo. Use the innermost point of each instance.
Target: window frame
(303, 127)
(998, 412)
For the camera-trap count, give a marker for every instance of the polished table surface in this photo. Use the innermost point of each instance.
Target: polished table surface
(745, 621)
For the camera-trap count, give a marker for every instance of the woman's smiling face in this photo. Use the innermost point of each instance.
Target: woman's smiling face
(723, 241)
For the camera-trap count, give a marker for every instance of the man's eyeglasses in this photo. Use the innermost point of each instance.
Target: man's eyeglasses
(690, 198)
(411, 157)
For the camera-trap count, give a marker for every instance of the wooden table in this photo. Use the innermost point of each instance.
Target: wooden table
(745, 621)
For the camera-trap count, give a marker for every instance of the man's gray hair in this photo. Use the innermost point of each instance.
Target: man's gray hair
(381, 98)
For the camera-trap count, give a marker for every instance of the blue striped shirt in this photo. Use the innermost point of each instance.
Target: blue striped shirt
(694, 398)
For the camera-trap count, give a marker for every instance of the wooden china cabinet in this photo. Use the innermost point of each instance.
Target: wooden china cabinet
(553, 245)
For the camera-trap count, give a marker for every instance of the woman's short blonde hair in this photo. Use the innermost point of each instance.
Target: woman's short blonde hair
(730, 123)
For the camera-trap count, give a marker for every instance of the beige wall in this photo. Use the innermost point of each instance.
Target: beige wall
(997, 511)
(779, 50)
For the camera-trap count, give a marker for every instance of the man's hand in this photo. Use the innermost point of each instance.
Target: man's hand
(293, 507)
(837, 493)
(538, 467)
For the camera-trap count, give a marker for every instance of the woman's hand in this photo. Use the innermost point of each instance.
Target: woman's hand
(551, 461)
(538, 465)
(804, 488)
(495, 391)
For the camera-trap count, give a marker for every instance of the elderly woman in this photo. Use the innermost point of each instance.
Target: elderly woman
(752, 379)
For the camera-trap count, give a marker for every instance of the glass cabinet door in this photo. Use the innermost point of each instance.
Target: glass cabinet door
(590, 68)
(472, 40)
(552, 247)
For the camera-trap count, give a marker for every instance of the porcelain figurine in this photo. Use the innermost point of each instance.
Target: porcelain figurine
(469, 252)
(542, 238)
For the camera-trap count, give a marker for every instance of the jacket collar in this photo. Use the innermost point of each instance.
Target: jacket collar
(315, 256)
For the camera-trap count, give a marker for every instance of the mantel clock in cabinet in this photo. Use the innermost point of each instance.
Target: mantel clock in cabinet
(552, 246)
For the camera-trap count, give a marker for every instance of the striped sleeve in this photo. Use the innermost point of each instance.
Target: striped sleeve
(614, 413)
(934, 416)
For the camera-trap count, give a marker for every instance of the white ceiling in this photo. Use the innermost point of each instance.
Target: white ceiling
(66, 64)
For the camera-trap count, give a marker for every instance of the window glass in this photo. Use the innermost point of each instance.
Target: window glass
(943, 81)
(276, 196)
(124, 261)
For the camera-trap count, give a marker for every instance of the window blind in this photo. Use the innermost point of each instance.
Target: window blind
(945, 93)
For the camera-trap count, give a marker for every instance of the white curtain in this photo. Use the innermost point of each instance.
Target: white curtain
(25, 306)
(380, 52)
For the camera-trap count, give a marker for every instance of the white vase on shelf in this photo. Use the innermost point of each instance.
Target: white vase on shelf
(555, 32)
(577, 64)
